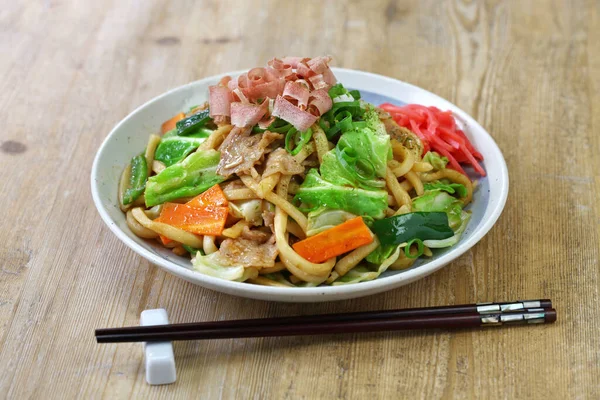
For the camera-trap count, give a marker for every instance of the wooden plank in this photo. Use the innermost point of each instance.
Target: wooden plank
(529, 73)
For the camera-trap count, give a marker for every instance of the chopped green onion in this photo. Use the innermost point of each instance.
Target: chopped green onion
(344, 120)
(355, 94)
(332, 132)
(290, 140)
(342, 123)
(324, 124)
(342, 117)
(420, 248)
(346, 156)
(359, 124)
(192, 250)
(337, 90)
(278, 126)
(352, 106)
(297, 139)
(362, 169)
(304, 210)
(365, 171)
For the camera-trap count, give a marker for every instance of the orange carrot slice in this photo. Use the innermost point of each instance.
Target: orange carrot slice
(201, 221)
(213, 197)
(171, 123)
(165, 240)
(335, 241)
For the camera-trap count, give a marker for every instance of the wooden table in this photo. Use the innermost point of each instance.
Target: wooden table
(528, 71)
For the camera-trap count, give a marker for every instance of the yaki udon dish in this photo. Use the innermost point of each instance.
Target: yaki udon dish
(287, 178)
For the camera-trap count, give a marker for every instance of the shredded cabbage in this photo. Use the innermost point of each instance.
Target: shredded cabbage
(438, 162)
(438, 200)
(449, 187)
(324, 218)
(249, 210)
(210, 265)
(451, 241)
(317, 191)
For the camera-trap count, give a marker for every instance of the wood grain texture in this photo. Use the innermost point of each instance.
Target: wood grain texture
(528, 71)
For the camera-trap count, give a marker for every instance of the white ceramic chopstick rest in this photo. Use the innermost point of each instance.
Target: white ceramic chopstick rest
(160, 361)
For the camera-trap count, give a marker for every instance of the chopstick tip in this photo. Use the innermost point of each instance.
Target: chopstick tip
(550, 316)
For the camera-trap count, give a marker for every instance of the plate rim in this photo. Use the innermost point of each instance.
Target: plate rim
(319, 293)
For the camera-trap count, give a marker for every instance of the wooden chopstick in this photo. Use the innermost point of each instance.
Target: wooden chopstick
(451, 321)
(321, 318)
(461, 316)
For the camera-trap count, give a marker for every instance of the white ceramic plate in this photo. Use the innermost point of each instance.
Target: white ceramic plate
(130, 136)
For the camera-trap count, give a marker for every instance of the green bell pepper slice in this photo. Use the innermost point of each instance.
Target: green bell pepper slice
(416, 225)
(137, 179)
(190, 124)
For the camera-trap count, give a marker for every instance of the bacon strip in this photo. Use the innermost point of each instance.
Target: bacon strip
(239, 96)
(219, 100)
(246, 114)
(256, 76)
(297, 93)
(277, 68)
(304, 70)
(257, 84)
(292, 77)
(315, 70)
(319, 102)
(265, 122)
(298, 85)
(292, 60)
(224, 80)
(319, 64)
(318, 82)
(329, 77)
(268, 89)
(285, 110)
(233, 84)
